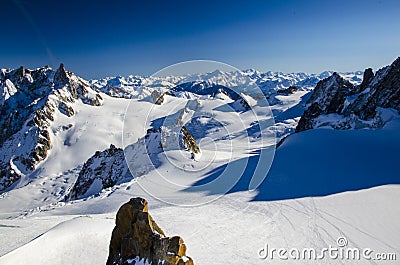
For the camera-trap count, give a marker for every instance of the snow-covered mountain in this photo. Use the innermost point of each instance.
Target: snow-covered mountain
(269, 82)
(29, 102)
(340, 104)
(72, 151)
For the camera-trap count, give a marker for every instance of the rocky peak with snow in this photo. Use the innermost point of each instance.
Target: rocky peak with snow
(339, 104)
(381, 91)
(103, 170)
(137, 238)
(367, 78)
(29, 101)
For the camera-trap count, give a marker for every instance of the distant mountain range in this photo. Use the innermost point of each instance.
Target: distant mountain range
(37, 106)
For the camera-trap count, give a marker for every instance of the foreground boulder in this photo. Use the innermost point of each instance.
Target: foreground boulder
(137, 239)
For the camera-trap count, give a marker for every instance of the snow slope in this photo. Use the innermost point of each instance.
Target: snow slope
(237, 225)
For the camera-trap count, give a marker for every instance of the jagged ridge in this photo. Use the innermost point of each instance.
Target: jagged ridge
(357, 106)
(28, 103)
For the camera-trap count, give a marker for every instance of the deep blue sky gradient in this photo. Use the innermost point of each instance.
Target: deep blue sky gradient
(103, 38)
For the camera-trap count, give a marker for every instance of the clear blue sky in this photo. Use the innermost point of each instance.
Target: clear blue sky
(102, 38)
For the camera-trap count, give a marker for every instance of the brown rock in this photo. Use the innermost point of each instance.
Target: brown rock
(189, 142)
(136, 236)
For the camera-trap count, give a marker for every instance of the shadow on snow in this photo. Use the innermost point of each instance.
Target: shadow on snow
(317, 163)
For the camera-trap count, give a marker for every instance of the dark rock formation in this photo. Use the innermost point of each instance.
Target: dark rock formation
(330, 93)
(189, 142)
(354, 105)
(384, 92)
(367, 78)
(287, 91)
(61, 77)
(157, 97)
(137, 237)
(328, 97)
(186, 140)
(97, 101)
(66, 109)
(305, 122)
(106, 168)
(206, 88)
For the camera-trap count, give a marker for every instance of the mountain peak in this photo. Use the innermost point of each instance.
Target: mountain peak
(367, 78)
(61, 76)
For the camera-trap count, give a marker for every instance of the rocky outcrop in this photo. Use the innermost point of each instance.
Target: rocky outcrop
(137, 238)
(103, 170)
(189, 142)
(157, 97)
(381, 91)
(354, 106)
(367, 78)
(287, 91)
(74, 87)
(206, 88)
(328, 97)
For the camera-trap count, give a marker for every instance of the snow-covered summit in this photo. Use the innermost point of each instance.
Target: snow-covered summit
(338, 103)
(29, 102)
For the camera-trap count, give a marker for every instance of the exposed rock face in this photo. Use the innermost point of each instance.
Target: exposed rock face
(354, 106)
(330, 93)
(287, 91)
(28, 102)
(189, 142)
(61, 76)
(172, 137)
(137, 237)
(384, 92)
(103, 170)
(368, 76)
(157, 97)
(66, 109)
(206, 88)
(328, 97)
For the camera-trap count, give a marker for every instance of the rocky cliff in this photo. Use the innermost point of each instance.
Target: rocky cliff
(103, 170)
(137, 238)
(339, 104)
